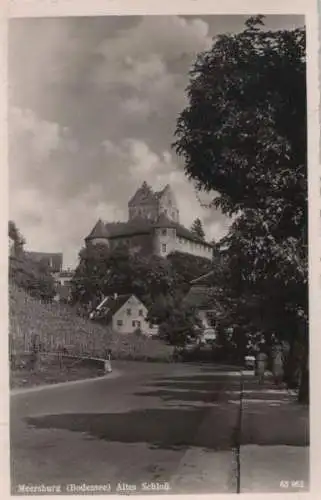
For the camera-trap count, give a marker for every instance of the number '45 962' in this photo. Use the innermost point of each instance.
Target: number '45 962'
(292, 484)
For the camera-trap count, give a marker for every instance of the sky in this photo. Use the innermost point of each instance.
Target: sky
(93, 104)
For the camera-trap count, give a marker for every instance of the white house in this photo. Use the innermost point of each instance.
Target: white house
(125, 314)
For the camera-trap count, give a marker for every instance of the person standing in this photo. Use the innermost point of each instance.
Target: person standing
(108, 368)
(278, 364)
(261, 360)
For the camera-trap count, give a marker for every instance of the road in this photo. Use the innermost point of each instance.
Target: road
(155, 426)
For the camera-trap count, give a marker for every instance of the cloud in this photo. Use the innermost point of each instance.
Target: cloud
(50, 226)
(141, 59)
(93, 106)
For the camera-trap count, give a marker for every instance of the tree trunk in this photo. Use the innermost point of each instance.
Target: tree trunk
(304, 388)
(303, 396)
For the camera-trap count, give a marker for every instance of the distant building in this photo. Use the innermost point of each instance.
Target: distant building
(52, 260)
(153, 227)
(201, 296)
(63, 284)
(124, 313)
(63, 277)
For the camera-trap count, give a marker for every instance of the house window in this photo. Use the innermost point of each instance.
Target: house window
(163, 247)
(136, 323)
(140, 312)
(119, 322)
(164, 232)
(129, 312)
(165, 211)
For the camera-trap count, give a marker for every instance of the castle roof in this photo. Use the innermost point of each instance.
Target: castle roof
(140, 225)
(99, 231)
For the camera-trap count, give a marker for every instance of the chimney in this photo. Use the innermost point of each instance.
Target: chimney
(115, 296)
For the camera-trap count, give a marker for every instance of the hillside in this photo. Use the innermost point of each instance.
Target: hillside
(57, 324)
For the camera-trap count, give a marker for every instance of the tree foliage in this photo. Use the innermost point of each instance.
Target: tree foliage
(187, 267)
(197, 228)
(31, 276)
(15, 235)
(34, 277)
(159, 282)
(179, 325)
(243, 135)
(102, 271)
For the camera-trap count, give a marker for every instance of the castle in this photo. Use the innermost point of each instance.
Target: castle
(153, 227)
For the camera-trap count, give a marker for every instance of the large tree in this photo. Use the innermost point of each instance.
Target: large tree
(243, 135)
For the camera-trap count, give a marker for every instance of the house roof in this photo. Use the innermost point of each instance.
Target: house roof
(110, 305)
(203, 298)
(204, 280)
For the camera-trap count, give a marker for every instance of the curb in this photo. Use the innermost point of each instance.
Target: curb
(38, 388)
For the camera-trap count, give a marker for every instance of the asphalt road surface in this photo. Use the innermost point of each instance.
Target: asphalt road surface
(169, 428)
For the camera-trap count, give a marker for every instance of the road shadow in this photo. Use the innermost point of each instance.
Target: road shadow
(191, 388)
(160, 428)
(185, 396)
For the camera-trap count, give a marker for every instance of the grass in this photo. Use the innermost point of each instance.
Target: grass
(51, 371)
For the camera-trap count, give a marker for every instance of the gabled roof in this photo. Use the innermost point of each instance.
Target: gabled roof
(110, 305)
(143, 196)
(204, 280)
(164, 221)
(203, 298)
(138, 225)
(189, 235)
(99, 231)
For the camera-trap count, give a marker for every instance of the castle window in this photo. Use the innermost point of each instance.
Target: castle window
(163, 247)
(164, 232)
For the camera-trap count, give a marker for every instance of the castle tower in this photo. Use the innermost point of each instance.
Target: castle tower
(143, 204)
(167, 204)
(99, 234)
